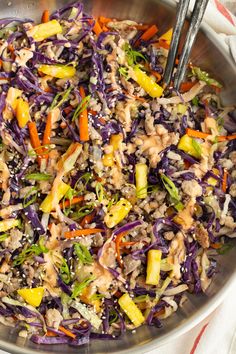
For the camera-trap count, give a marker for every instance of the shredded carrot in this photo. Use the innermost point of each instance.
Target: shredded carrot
(104, 20)
(50, 334)
(157, 75)
(45, 16)
(196, 134)
(216, 245)
(87, 219)
(47, 134)
(117, 242)
(125, 244)
(224, 181)
(149, 33)
(96, 28)
(186, 86)
(83, 120)
(34, 139)
(67, 203)
(227, 137)
(187, 164)
(104, 29)
(0, 63)
(82, 232)
(12, 51)
(161, 43)
(67, 332)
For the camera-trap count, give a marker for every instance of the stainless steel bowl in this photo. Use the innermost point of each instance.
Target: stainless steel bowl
(211, 55)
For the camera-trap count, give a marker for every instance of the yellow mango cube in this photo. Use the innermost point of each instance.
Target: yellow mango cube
(147, 83)
(32, 296)
(22, 112)
(59, 71)
(153, 267)
(117, 212)
(45, 30)
(131, 310)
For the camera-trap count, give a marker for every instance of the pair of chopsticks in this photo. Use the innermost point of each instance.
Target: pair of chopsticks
(195, 21)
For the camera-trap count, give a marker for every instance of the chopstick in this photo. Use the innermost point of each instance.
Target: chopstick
(195, 21)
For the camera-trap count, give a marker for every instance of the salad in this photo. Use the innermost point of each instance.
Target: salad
(117, 197)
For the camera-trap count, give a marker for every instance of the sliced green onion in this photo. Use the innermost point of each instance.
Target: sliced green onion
(65, 272)
(35, 249)
(173, 191)
(60, 98)
(38, 176)
(83, 254)
(204, 76)
(32, 192)
(141, 298)
(133, 55)
(81, 107)
(79, 287)
(99, 191)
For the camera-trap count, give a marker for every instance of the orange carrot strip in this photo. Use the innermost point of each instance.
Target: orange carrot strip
(117, 243)
(216, 246)
(45, 16)
(67, 332)
(196, 134)
(131, 243)
(87, 219)
(82, 232)
(83, 120)
(67, 203)
(227, 137)
(186, 86)
(104, 20)
(68, 109)
(50, 334)
(224, 181)
(12, 50)
(149, 33)
(161, 43)
(96, 28)
(34, 139)
(157, 75)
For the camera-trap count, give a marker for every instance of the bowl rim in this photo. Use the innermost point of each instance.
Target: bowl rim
(206, 309)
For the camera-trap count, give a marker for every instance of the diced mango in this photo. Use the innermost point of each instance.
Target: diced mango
(117, 212)
(167, 36)
(147, 83)
(131, 310)
(186, 145)
(88, 299)
(45, 30)
(59, 71)
(32, 296)
(8, 224)
(13, 95)
(141, 171)
(47, 205)
(115, 141)
(153, 267)
(22, 112)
